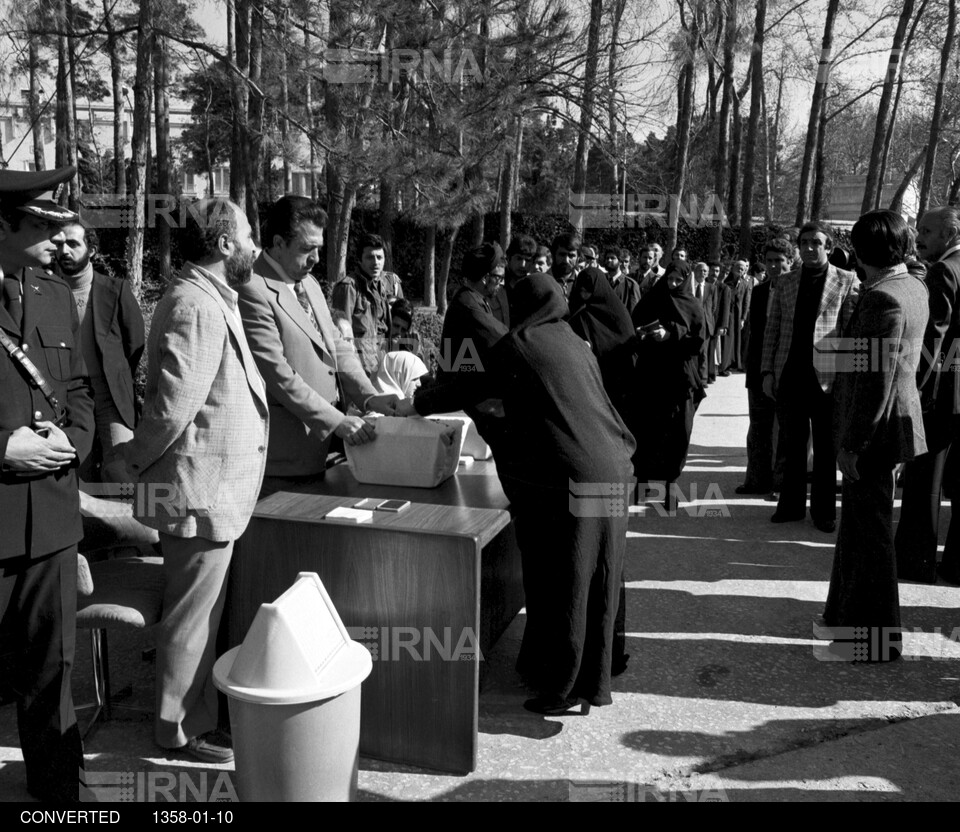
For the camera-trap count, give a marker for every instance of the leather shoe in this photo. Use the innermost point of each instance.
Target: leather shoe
(781, 517)
(828, 526)
(213, 747)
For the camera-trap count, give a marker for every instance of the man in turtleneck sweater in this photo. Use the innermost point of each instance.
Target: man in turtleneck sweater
(112, 340)
(807, 312)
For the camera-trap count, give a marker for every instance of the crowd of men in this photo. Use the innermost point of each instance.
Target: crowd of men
(249, 374)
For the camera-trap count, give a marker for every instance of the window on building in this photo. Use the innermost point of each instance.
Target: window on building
(221, 180)
(189, 182)
(6, 128)
(30, 166)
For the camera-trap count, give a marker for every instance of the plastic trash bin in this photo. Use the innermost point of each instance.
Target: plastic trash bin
(294, 693)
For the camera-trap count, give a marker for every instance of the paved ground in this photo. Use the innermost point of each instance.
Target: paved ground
(724, 697)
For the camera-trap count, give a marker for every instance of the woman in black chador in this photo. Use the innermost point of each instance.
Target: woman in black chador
(599, 317)
(667, 390)
(571, 473)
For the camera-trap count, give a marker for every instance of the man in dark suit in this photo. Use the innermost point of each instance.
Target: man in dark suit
(759, 479)
(722, 308)
(624, 286)
(878, 424)
(42, 437)
(299, 351)
(706, 293)
(938, 242)
(112, 337)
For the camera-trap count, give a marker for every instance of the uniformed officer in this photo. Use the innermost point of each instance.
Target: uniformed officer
(46, 424)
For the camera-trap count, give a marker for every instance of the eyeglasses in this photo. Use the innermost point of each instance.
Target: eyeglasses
(495, 277)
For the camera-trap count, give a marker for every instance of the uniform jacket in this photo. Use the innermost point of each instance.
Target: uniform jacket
(355, 299)
(119, 335)
(200, 448)
(722, 305)
(836, 306)
(300, 368)
(44, 509)
(939, 372)
(877, 405)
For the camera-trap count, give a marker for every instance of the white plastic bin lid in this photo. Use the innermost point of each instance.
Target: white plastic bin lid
(297, 650)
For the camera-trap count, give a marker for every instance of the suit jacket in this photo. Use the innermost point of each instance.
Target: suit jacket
(709, 303)
(200, 448)
(119, 336)
(836, 306)
(300, 368)
(628, 290)
(722, 305)
(877, 407)
(759, 301)
(40, 514)
(938, 375)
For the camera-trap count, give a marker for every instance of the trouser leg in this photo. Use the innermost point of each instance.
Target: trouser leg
(823, 491)
(40, 595)
(196, 573)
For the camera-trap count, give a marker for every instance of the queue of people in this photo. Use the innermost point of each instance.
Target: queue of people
(592, 376)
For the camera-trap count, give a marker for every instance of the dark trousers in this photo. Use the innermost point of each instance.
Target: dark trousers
(801, 406)
(763, 412)
(712, 357)
(863, 585)
(703, 362)
(918, 529)
(38, 608)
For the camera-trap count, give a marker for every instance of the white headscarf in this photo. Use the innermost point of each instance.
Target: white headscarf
(400, 373)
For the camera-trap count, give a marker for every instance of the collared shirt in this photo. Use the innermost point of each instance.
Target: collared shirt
(288, 281)
(948, 252)
(229, 295)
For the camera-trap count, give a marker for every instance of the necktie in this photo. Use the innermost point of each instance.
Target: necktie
(700, 291)
(305, 303)
(11, 299)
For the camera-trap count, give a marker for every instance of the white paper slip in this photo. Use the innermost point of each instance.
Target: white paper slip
(349, 515)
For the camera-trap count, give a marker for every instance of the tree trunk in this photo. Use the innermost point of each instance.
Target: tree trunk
(508, 183)
(162, 157)
(736, 128)
(894, 63)
(476, 230)
(429, 265)
(753, 126)
(723, 127)
(39, 160)
(767, 156)
(140, 146)
(586, 107)
(444, 256)
(255, 115)
(116, 82)
(926, 181)
(308, 103)
(888, 141)
(239, 151)
(66, 116)
(817, 201)
(616, 15)
(284, 35)
(896, 201)
(819, 90)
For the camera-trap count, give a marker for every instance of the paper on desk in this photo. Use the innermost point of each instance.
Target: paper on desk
(349, 515)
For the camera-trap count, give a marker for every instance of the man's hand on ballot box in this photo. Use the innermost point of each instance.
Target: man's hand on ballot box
(355, 431)
(405, 408)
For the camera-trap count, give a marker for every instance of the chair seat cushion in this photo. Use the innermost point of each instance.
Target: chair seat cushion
(127, 592)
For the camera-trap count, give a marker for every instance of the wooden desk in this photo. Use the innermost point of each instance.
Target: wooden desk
(421, 588)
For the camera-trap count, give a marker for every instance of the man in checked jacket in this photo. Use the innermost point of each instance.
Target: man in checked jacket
(809, 308)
